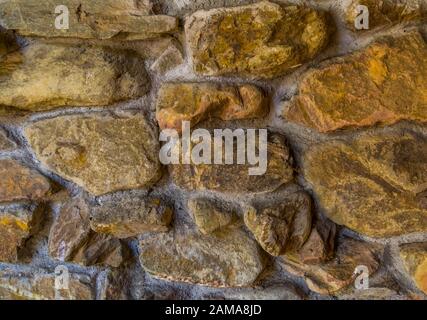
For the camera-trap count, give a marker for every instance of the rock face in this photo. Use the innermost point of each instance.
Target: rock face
(235, 178)
(5, 143)
(124, 20)
(208, 216)
(414, 256)
(229, 259)
(196, 102)
(16, 224)
(284, 227)
(41, 286)
(20, 183)
(100, 154)
(336, 274)
(380, 84)
(130, 218)
(374, 184)
(263, 40)
(71, 239)
(385, 12)
(45, 76)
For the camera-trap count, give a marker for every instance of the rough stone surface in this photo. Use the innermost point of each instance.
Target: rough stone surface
(131, 217)
(196, 102)
(331, 276)
(374, 184)
(19, 183)
(235, 178)
(5, 143)
(414, 256)
(124, 20)
(263, 40)
(384, 83)
(373, 294)
(230, 259)
(168, 60)
(100, 154)
(46, 76)
(277, 292)
(282, 227)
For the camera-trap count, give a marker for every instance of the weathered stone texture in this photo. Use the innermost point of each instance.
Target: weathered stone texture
(263, 40)
(100, 154)
(414, 256)
(384, 83)
(5, 143)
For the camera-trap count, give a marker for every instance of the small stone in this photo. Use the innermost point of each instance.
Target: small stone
(209, 216)
(169, 59)
(374, 184)
(123, 20)
(283, 227)
(228, 259)
(102, 154)
(196, 102)
(5, 143)
(414, 256)
(379, 84)
(41, 286)
(19, 183)
(131, 217)
(45, 76)
(336, 274)
(262, 40)
(16, 225)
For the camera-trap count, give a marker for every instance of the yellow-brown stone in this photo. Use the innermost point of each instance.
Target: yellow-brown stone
(414, 257)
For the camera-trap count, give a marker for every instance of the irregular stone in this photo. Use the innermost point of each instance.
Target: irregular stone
(228, 259)
(71, 238)
(374, 184)
(131, 217)
(283, 227)
(235, 179)
(16, 225)
(124, 20)
(196, 102)
(275, 292)
(414, 257)
(168, 60)
(385, 12)
(373, 294)
(208, 216)
(262, 40)
(41, 286)
(334, 275)
(384, 83)
(19, 183)
(100, 154)
(46, 76)
(5, 143)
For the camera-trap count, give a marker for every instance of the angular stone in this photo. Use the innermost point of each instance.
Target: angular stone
(16, 225)
(71, 238)
(209, 216)
(168, 60)
(126, 19)
(19, 183)
(374, 185)
(334, 275)
(46, 76)
(41, 286)
(5, 143)
(385, 12)
(100, 154)
(235, 178)
(384, 83)
(131, 217)
(283, 227)
(228, 259)
(196, 102)
(414, 256)
(262, 40)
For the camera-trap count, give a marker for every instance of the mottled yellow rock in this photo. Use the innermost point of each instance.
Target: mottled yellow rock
(227, 259)
(5, 143)
(262, 40)
(45, 76)
(374, 184)
(125, 19)
(384, 83)
(18, 183)
(414, 258)
(102, 154)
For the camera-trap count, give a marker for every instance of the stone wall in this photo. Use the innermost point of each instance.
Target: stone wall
(82, 188)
